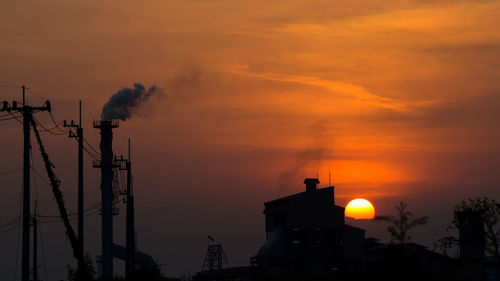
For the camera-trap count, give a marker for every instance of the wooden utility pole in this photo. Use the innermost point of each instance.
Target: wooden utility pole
(27, 112)
(79, 137)
(126, 164)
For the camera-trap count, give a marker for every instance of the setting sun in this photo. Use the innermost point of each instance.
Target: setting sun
(360, 209)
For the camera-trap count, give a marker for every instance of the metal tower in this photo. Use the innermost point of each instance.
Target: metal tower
(215, 259)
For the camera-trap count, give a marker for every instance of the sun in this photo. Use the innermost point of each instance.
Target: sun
(360, 209)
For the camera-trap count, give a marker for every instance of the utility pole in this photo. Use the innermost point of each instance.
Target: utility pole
(79, 137)
(27, 112)
(130, 225)
(35, 244)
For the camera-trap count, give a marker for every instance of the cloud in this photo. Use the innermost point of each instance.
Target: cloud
(340, 88)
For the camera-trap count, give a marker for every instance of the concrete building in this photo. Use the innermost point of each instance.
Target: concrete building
(307, 232)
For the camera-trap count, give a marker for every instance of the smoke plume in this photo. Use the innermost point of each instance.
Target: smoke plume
(128, 102)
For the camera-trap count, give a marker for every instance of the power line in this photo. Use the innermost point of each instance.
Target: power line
(87, 210)
(71, 219)
(48, 130)
(15, 117)
(6, 114)
(10, 222)
(92, 207)
(90, 153)
(9, 86)
(55, 123)
(3, 118)
(12, 228)
(96, 155)
(90, 145)
(10, 171)
(39, 175)
(41, 96)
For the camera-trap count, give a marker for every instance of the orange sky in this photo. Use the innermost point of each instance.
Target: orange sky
(398, 99)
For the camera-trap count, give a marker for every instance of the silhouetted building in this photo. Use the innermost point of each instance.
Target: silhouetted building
(307, 232)
(306, 236)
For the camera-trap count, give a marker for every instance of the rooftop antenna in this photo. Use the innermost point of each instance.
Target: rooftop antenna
(329, 178)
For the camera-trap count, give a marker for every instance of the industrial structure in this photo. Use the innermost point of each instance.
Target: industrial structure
(307, 232)
(215, 259)
(470, 233)
(304, 233)
(106, 165)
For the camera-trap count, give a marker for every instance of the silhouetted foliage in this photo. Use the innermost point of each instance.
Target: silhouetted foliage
(446, 243)
(87, 274)
(148, 273)
(401, 223)
(490, 213)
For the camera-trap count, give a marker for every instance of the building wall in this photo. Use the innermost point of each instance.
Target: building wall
(307, 232)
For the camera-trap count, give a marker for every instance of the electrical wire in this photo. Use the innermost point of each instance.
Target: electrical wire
(71, 219)
(10, 222)
(55, 127)
(88, 111)
(55, 123)
(40, 176)
(86, 210)
(13, 117)
(91, 147)
(6, 114)
(10, 86)
(48, 130)
(90, 154)
(10, 171)
(9, 229)
(96, 155)
(44, 97)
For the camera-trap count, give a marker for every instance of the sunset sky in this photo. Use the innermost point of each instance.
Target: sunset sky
(400, 100)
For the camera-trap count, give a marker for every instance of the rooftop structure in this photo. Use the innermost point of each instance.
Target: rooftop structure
(307, 232)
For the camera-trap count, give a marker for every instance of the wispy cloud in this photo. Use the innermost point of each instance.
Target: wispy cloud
(341, 88)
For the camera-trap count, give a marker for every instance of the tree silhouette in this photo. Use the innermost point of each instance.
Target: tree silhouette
(88, 271)
(401, 223)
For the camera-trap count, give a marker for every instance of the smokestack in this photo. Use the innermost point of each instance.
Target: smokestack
(106, 164)
(470, 233)
(130, 226)
(311, 184)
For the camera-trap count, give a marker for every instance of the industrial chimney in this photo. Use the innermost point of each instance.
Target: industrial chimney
(311, 184)
(106, 166)
(471, 233)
